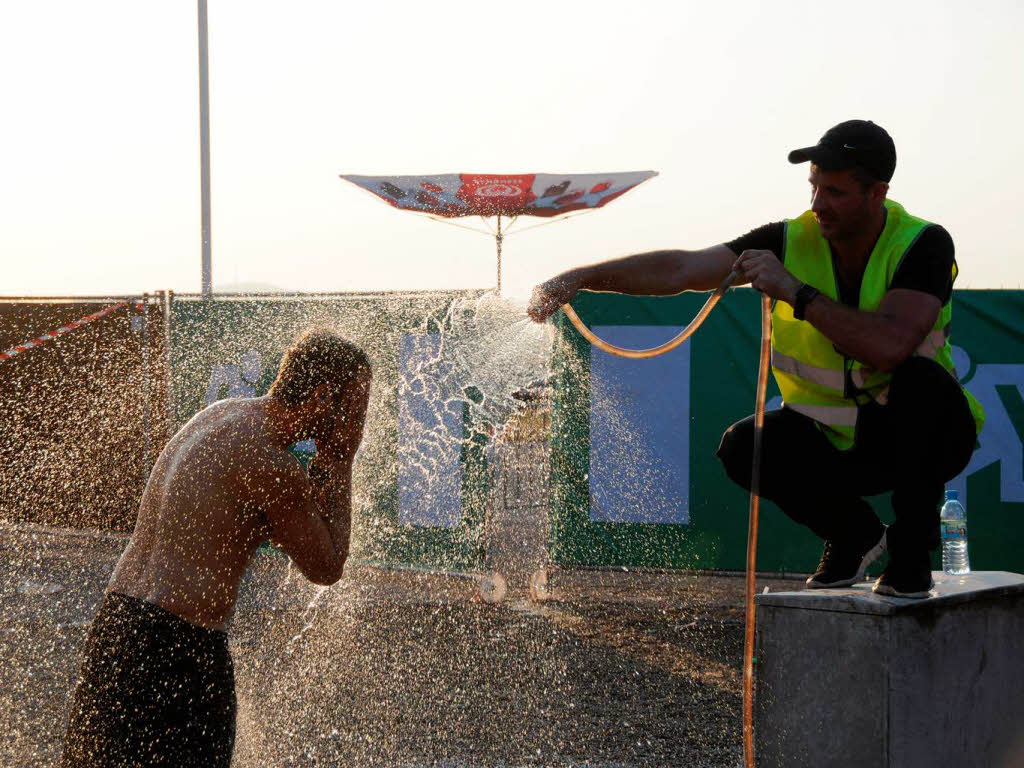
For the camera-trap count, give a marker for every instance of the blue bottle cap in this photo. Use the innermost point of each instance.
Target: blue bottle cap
(952, 495)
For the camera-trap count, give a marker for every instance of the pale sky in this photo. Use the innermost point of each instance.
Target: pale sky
(99, 186)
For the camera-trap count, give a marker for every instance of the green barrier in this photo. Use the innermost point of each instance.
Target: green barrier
(723, 367)
(232, 347)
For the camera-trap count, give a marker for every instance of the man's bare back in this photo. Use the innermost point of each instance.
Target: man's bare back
(198, 524)
(224, 484)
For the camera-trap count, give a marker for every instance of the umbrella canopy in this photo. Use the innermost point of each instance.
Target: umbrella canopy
(451, 195)
(495, 194)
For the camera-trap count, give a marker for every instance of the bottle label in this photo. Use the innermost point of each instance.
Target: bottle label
(954, 531)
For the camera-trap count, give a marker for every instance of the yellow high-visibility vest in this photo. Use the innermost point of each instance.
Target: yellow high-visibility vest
(812, 375)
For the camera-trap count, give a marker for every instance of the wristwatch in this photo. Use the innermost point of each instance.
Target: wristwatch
(804, 295)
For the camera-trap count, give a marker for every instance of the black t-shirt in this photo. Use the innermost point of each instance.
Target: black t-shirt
(927, 265)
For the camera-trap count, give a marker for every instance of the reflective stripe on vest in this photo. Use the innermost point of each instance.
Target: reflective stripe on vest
(826, 377)
(832, 415)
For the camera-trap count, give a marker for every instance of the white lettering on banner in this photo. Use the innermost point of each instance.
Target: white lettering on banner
(239, 380)
(999, 440)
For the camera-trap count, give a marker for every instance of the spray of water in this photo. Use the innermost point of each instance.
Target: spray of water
(392, 666)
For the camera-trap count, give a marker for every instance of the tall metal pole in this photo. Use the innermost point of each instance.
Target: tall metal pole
(204, 150)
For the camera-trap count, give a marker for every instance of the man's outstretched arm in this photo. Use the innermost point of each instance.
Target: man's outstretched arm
(656, 273)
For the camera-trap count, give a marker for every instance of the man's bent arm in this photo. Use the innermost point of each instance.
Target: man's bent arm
(300, 522)
(882, 339)
(330, 470)
(311, 515)
(332, 490)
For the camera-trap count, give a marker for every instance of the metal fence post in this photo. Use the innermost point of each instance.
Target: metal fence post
(144, 350)
(168, 306)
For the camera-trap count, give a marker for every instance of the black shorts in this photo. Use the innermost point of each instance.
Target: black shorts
(154, 689)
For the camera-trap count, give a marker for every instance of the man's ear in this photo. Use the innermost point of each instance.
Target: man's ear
(881, 191)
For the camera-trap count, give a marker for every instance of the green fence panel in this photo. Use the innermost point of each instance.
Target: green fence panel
(988, 327)
(233, 347)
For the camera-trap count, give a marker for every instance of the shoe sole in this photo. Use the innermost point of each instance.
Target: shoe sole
(885, 589)
(872, 554)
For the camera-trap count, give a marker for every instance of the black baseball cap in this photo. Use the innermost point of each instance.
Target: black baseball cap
(852, 144)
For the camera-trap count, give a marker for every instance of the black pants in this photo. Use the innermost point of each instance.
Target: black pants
(921, 438)
(153, 690)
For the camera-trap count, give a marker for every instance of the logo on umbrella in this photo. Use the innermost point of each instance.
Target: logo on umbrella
(498, 190)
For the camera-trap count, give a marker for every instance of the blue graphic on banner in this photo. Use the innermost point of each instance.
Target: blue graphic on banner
(995, 386)
(640, 430)
(430, 427)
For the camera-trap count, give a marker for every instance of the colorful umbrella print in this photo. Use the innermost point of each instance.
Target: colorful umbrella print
(546, 195)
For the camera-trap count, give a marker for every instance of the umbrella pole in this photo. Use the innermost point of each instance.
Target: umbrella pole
(498, 238)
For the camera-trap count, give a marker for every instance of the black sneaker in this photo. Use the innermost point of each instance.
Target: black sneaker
(843, 565)
(906, 576)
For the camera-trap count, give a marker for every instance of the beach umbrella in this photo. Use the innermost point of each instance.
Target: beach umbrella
(494, 195)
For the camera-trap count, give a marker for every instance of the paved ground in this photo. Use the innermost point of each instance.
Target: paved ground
(403, 669)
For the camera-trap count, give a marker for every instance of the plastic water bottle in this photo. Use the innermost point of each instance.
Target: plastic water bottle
(953, 522)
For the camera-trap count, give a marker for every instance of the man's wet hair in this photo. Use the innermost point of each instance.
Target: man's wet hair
(316, 357)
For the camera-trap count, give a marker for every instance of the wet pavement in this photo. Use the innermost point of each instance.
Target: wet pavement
(409, 669)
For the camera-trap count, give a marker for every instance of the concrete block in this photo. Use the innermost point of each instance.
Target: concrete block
(849, 678)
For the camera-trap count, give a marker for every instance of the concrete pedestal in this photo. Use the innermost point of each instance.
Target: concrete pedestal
(848, 678)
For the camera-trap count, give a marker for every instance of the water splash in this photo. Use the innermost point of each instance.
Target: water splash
(384, 668)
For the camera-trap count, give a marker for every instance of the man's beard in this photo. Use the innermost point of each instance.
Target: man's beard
(851, 227)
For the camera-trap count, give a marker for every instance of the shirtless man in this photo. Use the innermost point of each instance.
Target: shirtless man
(157, 682)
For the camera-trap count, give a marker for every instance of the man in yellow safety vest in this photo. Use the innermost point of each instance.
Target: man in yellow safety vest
(862, 295)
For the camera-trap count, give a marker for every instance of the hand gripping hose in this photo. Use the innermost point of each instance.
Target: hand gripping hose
(755, 478)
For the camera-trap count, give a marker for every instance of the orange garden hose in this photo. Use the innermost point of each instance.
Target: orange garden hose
(755, 478)
(663, 348)
(755, 499)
